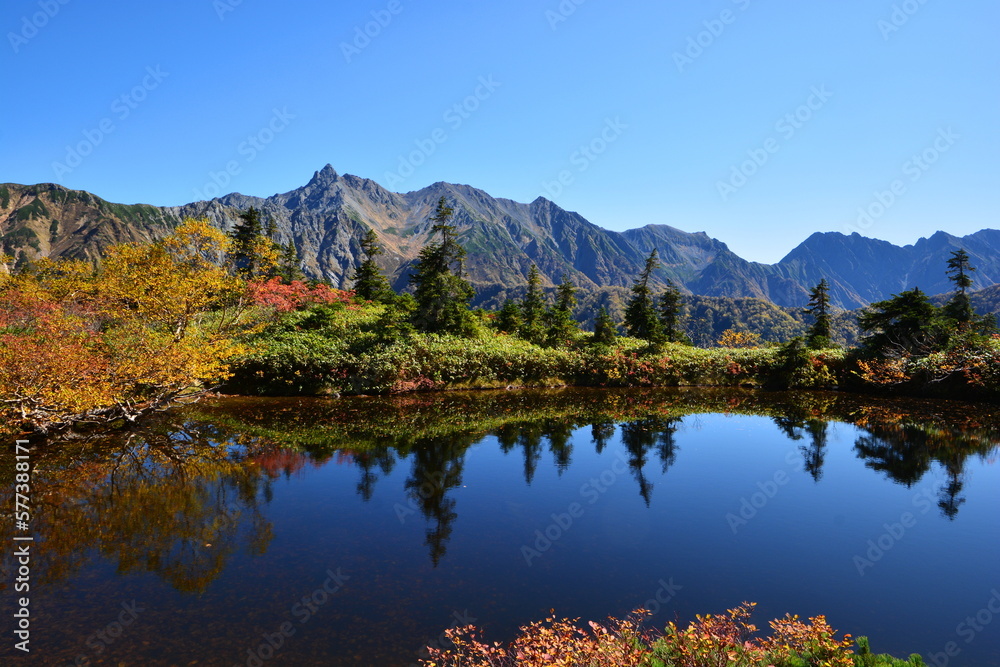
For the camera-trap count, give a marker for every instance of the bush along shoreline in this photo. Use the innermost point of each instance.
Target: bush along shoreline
(163, 323)
(708, 641)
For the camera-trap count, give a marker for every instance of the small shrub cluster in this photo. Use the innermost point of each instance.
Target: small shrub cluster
(709, 641)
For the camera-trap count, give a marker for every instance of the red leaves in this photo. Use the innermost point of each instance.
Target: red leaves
(286, 297)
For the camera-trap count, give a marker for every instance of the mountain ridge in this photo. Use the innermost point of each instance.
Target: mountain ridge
(326, 218)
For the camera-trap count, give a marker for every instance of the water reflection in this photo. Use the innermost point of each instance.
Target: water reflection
(181, 497)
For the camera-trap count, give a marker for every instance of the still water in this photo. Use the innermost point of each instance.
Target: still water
(354, 531)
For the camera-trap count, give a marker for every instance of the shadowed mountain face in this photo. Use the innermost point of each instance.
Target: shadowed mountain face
(327, 217)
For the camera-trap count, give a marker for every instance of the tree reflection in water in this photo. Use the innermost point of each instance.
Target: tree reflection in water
(181, 497)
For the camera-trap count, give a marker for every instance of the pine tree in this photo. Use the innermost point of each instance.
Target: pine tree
(671, 312)
(819, 307)
(641, 319)
(908, 323)
(959, 308)
(254, 254)
(533, 308)
(289, 263)
(442, 295)
(560, 325)
(605, 331)
(369, 283)
(509, 318)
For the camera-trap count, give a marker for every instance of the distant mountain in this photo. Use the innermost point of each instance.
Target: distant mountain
(327, 217)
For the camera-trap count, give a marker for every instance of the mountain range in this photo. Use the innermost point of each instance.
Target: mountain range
(327, 217)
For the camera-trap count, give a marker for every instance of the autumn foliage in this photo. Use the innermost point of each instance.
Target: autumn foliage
(154, 325)
(711, 640)
(286, 297)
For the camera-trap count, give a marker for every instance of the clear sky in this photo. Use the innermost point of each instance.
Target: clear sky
(756, 122)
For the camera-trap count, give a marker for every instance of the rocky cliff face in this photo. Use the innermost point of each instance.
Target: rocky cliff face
(327, 217)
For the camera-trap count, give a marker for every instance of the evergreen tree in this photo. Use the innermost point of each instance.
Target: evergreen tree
(533, 309)
(442, 295)
(959, 308)
(509, 318)
(253, 253)
(641, 318)
(246, 237)
(369, 283)
(561, 326)
(908, 323)
(605, 331)
(819, 307)
(289, 263)
(671, 314)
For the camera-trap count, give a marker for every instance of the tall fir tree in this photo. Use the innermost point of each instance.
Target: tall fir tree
(641, 318)
(818, 336)
(369, 282)
(290, 263)
(560, 325)
(533, 309)
(672, 314)
(959, 308)
(605, 331)
(253, 254)
(442, 295)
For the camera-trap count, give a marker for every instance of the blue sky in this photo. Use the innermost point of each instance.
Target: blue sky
(756, 122)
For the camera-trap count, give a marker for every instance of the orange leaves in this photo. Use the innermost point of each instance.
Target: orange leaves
(709, 641)
(884, 372)
(739, 339)
(155, 324)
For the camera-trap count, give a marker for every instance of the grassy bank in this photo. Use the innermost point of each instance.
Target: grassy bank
(361, 350)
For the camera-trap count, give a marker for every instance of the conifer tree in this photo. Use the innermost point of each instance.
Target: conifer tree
(442, 295)
(908, 323)
(369, 282)
(533, 309)
(289, 263)
(671, 312)
(641, 318)
(959, 308)
(561, 326)
(605, 331)
(819, 307)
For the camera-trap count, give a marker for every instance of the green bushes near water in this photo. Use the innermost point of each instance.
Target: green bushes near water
(361, 349)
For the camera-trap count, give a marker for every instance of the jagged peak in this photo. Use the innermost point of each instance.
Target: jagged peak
(324, 176)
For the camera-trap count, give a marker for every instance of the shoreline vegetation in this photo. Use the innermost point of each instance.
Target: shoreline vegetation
(167, 322)
(709, 640)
